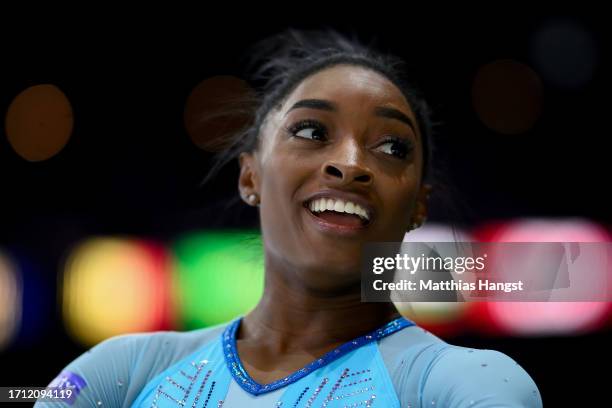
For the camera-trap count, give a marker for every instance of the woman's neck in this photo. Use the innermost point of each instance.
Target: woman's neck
(291, 317)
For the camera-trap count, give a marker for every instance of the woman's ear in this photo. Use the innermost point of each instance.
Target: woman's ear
(248, 182)
(420, 212)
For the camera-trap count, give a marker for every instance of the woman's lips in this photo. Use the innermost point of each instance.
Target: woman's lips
(346, 220)
(342, 224)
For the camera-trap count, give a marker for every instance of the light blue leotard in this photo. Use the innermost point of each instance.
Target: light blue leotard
(397, 365)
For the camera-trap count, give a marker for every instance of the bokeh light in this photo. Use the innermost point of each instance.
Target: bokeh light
(442, 318)
(11, 293)
(544, 318)
(219, 276)
(113, 286)
(216, 109)
(39, 122)
(507, 96)
(565, 53)
(433, 232)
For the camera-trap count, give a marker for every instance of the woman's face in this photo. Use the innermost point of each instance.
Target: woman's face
(339, 165)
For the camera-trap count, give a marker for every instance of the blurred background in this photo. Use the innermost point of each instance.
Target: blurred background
(107, 134)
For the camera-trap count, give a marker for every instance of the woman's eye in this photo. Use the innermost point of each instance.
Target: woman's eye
(308, 130)
(310, 133)
(397, 148)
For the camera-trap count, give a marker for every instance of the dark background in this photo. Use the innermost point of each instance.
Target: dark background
(130, 167)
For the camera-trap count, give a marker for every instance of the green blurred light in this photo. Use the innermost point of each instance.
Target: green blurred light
(219, 276)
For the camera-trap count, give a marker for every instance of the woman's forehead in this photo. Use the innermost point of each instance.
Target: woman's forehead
(349, 86)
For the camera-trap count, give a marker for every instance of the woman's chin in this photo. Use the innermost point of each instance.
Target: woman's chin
(333, 273)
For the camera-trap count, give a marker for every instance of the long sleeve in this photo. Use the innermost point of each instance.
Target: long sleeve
(462, 377)
(100, 377)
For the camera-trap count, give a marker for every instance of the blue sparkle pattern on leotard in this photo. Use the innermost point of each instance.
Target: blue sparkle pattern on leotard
(352, 374)
(391, 368)
(244, 379)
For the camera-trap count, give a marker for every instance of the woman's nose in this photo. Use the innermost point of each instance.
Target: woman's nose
(347, 165)
(347, 173)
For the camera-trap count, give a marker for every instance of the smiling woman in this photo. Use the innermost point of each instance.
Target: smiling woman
(338, 155)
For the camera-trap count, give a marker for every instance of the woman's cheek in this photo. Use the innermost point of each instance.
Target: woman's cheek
(280, 178)
(402, 204)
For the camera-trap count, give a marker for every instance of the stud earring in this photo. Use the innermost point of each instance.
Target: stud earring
(252, 199)
(416, 225)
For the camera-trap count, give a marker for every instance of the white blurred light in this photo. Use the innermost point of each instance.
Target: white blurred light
(433, 313)
(10, 300)
(432, 232)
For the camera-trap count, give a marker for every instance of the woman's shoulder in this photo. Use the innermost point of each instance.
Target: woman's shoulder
(459, 375)
(412, 342)
(152, 349)
(167, 339)
(152, 352)
(426, 367)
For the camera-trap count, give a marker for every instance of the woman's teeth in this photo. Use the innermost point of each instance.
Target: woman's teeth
(340, 206)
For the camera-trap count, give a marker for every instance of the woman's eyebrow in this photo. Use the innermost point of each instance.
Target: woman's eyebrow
(321, 104)
(381, 111)
(392, 113)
